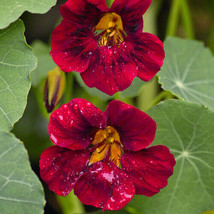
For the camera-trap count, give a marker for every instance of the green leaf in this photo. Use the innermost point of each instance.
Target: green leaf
(188, 71)
(187, 129)
(45, 62)
(16, 62)
(133, 90)
(20, 189)
(11, 10)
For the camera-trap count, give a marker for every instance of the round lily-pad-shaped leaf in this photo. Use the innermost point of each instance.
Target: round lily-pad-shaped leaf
(10, 10)
(20, 190)
(187, 130)
(16, 63)
(188, 71)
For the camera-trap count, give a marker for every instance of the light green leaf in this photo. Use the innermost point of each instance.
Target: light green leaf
(45, 62)
(133, 90)
(16, 62)
(20, 190)
(187, 129)
(188, 71)
(11, 10)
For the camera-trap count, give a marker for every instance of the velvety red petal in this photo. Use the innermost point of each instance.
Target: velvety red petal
(85, 9)
(110, 70)
(131, 13)
(60, 168)
(105, 186)
(136, 128)
(100, 4)
(71, 125)
(149, 168)
(71, 47)
(148, 55)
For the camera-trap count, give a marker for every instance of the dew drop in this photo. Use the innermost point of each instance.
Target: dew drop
(110, 52)
(60, 117)
(75, 106)
(68, 113)
(72, 122)
(65, 106)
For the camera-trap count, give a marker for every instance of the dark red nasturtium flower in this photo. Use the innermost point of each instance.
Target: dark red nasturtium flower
(106, 45)
(103, 156)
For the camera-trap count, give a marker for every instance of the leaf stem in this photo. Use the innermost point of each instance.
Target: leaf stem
(163, 95)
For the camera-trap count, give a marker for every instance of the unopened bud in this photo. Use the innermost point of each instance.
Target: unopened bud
(54, 88)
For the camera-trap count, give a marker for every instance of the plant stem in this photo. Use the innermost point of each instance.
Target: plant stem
(109, 3)
(186, 18)
(173, 18)
(70, 204)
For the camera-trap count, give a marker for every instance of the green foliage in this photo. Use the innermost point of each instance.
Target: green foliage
(10, 10)
(16, 63)
(20, 190)
(187, 129)
(45, 62)
(188, 71)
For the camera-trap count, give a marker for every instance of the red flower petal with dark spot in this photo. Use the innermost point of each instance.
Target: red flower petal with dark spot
(148, 55)
(105, 186)
(149, 168)
(60, 168)
(71, 126)
(110, 70)
(104, 141)
(137, 129)
(100, 4)
(110, 56)
(131, 13)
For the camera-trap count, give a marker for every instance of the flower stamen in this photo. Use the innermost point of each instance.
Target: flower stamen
(109, 146)
(112, 30)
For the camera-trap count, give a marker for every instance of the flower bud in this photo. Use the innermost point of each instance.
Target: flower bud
(54, 88)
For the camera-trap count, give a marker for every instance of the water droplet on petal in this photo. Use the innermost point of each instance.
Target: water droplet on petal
(65, 106)
(110, 52)
(75, 106)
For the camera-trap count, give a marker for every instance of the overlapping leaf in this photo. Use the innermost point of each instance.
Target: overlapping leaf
(16, 62)
(188, 71)
(11, 10)
(20, 189)
(187, 129)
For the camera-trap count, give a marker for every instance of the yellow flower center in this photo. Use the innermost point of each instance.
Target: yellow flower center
(109, 145)
(111, 26)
